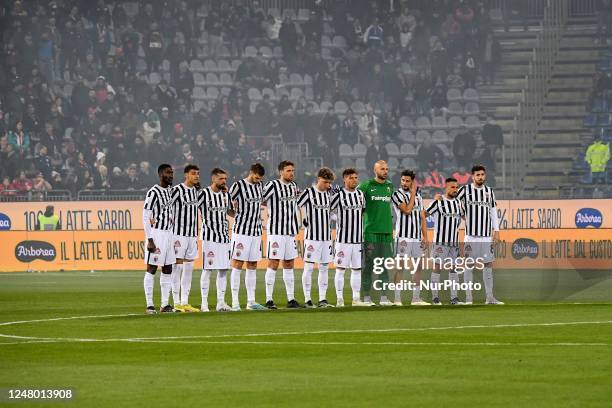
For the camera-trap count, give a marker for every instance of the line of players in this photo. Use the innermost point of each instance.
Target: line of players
(170, 219)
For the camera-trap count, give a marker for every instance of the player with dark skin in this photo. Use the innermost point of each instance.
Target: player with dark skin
(166, 177)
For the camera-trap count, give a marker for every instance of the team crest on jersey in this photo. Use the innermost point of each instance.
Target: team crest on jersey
(275, 245)
(310, 248)
(468, 248)
(340, 255)
(238, 253)
(403, 243)
(487, 195)
(155, 258)
(210, 254)
(439, 249)
(239, 246)
(388, 189)
(177, 244)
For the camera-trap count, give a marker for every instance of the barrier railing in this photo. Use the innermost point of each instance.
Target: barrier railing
(537, 83)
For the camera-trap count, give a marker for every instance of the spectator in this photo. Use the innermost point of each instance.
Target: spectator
(369, 121)
(40, 185)
(597, 157)
(132, 181)
(373, 36)
(288, 37)
(349, 129)
(6, 188)
(490, 59)
(22, 184)
(464, 147)
(375, 148)
(19, 139)
(469, 70)
(492, 135)
(429, 157)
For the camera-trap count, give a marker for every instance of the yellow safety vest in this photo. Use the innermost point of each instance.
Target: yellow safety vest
(48, 223)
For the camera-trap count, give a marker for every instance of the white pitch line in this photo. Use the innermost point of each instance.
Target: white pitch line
(55, 319)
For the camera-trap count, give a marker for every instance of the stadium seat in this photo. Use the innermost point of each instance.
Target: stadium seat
(409, 163)
(392, 150)
(472, 122)
(281, 91)
(68, 90)
(165, 65)
(341, 107)
(455, 108)
(296, 93)
(226, 79)
(421, 135)
(406, 123)
(358, 108)
(471, 95)
(360, 164)
(212, 92)
(224, 52)
(455, 122)
(346, 162)
(266, 52)
(307, 80)
(254, 94)
(406, 135)
(289, 12)
(440, 136)
(472, 108)
(196, 65)
(359, 150)
(274, 12)
(315, 106)
(250, 51)
(408, 149)
(445, 149)
(326, 54)
(339, 41)
(439, 123)
(277, 52)
(453, 95)
(212, 79)
(393, 162)
(325, 105)
(198, 79)
(326, 41)
(604, 120)
(198, 93)
(210, 65)
(296, 80)
(423, 122)
(235, 64)
(303, 14)
(346, 150)
(253, 107)
(224, 66)
(269, 92)
(309, 94)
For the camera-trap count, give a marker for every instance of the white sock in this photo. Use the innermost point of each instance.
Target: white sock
(205, 286)
(323, 281)
(289, 283)
(176, 283)
(356, 283)
(149, 282)
(186, 282)
(339, 281)
(398, 295)
(454, 278)
(435, 279)
(221, 285)
(235, 285)
(468, 277)
(165, 281)
(487, 277)
(250, 279)
(270, 278)
(307, 280)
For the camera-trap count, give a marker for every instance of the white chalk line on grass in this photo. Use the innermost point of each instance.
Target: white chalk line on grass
(181, 339)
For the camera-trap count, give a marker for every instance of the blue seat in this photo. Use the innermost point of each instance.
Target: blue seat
(590, 121)
(599, 105)
(604, 120)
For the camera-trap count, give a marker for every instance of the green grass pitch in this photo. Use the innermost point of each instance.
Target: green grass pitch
(546, 350)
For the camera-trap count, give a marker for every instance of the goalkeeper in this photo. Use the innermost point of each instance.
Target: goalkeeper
(377, 227)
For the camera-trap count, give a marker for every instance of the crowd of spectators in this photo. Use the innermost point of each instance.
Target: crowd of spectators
(78, 110)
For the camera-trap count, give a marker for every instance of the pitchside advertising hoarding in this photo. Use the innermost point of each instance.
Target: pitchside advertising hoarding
(536, 234)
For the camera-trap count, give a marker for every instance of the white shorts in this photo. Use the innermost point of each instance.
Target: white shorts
(215, 255)
(318, 251)
(282, 247)
(444, 254)
(479, 247)
(348, 256)
(246, 248)
(185, 247)
(408, 247)
(164, 252)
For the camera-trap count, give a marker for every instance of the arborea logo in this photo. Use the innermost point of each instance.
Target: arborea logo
(5, 222)
(27, 251)
(588, 217)
(523, 247)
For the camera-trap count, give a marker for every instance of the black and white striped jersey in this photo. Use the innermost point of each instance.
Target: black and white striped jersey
(349, 206)
(185, 210)
(408, 225)
(214, 208)
(316, 205)
(281, 199)
(159, 201)
(447, 216)
(246, 197)
(477, 203)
